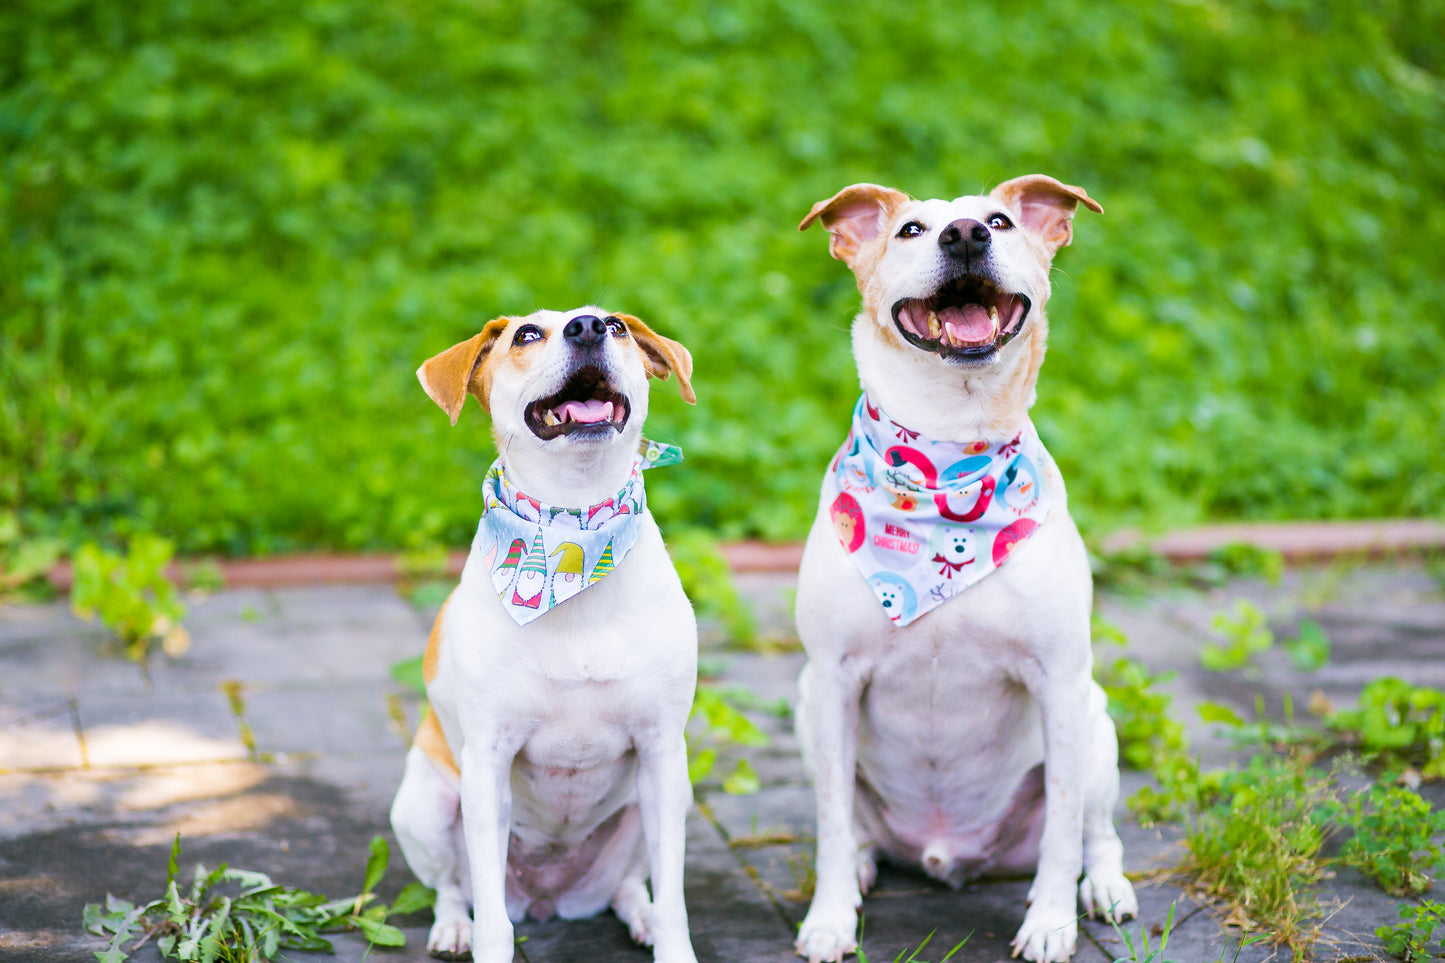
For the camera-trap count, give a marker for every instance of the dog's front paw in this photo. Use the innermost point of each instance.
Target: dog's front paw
(1047, 936)
(639, 924)
(826, 935)
(451, 938)
(1109, 895)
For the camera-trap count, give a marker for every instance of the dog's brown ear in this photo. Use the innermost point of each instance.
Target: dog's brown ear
(854, 216)
(1047, 206)
(454, 373)
(662, 355)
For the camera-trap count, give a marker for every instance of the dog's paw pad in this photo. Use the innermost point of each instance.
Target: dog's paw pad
(1046, 937)
(1109, 895)
(450, 939)
(827, 937)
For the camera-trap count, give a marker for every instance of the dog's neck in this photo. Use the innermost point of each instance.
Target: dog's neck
(945, 402)
(584, 475)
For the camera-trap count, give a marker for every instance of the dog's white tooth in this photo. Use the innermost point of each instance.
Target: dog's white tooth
(993, 316)
(607, 411)
(549, 418)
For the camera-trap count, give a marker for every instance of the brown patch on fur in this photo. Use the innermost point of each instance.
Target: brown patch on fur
(853, 217)
(434, 645)
(1047, 206)
(460, 370)
(433, 742)
(662, 355)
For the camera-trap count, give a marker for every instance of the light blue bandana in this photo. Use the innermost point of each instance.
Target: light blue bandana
(923, 520)
(539, 556)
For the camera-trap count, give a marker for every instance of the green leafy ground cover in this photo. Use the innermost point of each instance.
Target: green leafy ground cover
(232, 231)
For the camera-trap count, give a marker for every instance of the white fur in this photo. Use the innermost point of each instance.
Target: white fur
(564, 727)
(918, 738)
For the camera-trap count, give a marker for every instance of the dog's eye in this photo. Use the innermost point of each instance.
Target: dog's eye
(999, 222)
(911, 229)
(527, 333)
(615, 327)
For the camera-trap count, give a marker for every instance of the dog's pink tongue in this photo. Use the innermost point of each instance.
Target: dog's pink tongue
(969, 324)
(588, 412)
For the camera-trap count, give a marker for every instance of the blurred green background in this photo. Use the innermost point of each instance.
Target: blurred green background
(232, 232)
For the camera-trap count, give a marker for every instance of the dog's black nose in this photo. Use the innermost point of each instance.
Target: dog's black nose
(965, 238)
(585, 330)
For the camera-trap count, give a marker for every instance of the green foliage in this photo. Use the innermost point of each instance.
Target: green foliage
(24, 560)
(716, 722)
(1243, 559)
(1142, 952)
(708, 582)
(1246, 634)
(239, 916)
(1310, 650)
(1411, 940)
(131, 595)
(232, 231)
(1395, 839)
(1397, 726)
(911, 952)
(1148, 736)
(1257, 843)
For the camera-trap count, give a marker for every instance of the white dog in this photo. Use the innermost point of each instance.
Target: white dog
(551, 774)
(947, 715)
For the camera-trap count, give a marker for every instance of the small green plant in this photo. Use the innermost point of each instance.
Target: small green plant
(24, 561)
(1394, 840)
(1411, 939)
(1148, 737)
(722, 723)
(708, 581)
(1310, 650)
(1244, 559)
(239, 916)
(1143, 952)
(1246, 634)
(1256, 845)
(1397, 726)
(131, 595)
(912, 953)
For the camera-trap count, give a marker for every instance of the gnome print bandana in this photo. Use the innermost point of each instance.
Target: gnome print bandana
(923, 520)
(539, 556)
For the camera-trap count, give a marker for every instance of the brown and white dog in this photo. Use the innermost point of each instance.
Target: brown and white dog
(972, 741)
(551, 774)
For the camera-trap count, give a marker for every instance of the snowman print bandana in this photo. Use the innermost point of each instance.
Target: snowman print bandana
(539, 556)
(923, 520)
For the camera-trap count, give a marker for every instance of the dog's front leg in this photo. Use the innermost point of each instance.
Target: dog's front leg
(664, 795)
(829, 704)
(1050, 929)
(486, 765)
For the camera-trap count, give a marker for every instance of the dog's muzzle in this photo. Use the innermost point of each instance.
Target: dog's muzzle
(587, 404)
(967, 320)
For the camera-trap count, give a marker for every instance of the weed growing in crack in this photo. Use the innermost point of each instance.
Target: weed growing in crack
(1394, 842)
(1411, 939)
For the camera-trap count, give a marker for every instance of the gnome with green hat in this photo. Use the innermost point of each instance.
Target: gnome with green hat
(532, 576)
(567, 579)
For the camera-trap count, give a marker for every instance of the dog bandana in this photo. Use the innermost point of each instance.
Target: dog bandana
(539, 556)
(923, 520)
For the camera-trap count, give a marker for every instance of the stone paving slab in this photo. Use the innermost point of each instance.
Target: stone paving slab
(100, 767)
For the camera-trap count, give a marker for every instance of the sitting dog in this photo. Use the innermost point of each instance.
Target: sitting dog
(550, 774)
(947, 714)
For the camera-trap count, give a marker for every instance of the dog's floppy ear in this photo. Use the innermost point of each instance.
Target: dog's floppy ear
(854, 216)
(1047, 206)
(451, 375)
(662, 355)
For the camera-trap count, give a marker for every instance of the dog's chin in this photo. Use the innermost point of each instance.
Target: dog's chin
(966, 322)
(586, 410)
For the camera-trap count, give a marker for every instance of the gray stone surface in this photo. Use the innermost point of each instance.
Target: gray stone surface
(101, 764)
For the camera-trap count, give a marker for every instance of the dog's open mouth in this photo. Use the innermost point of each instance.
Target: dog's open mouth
(587, 404)
(968, 318)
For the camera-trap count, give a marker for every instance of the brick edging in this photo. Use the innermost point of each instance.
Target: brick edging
(1297, 541)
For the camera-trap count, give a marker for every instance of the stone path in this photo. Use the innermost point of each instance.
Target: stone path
(277, 742)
